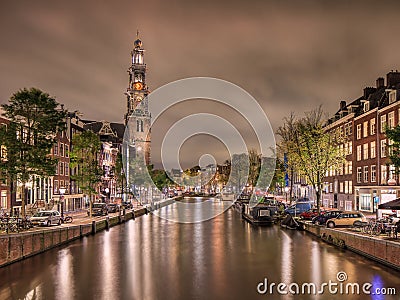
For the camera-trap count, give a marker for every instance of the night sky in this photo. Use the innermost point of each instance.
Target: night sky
(290, 55)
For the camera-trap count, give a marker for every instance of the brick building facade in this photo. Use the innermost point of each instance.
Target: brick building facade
(367, 178)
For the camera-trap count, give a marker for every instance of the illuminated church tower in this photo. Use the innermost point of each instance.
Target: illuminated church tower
(138, 114)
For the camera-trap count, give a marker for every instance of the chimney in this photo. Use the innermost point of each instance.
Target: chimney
(342, 105)
(368, 91)
(380, 82)
(392, 78)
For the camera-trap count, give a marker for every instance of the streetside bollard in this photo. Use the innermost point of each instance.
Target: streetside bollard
(93, 227)
(107, 223)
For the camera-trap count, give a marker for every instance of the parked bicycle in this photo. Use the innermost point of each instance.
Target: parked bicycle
(67, 219)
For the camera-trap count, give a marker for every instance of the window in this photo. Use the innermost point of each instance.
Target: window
(61, 149)
(55, 150)
(3, 152)
(365, 129)
(365, 173)
(383, 123)
(383, 148)
(383, 174)
(61, 168)
(391, 119)
(358, 152)
(359, 174)
(390, 148)
(347, 129)
(365, 202)
(392, 97)
(373, 173)
(346, 188)
(365, 150)
(66, 151)
(55, 186)
(372, 126)
(373, 149)
(392, 172)
(346, 167)
(139, 125)
(66, 169)
(341, 187)
(350, 187)
(350, 167)
(350, 147)
(346, 148)
(366, 106)
(358, 131)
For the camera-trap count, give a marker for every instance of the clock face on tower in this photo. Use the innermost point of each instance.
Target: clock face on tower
(138, 86)
(138, 98)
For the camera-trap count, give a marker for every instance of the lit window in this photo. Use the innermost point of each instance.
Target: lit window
(359, 174)
(383, 148)
(373, 173)
(383, 123)
(358, 131)
(365, 150)
(372, 126)
(373, 149)
(365, 129)
(358, 152)
(391, 119)
(365, 173)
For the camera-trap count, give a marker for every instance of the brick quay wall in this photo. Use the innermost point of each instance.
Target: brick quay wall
(17, 246)
(375, 248)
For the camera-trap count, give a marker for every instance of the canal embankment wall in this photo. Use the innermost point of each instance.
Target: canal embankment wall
(15, 247)
(384, 251)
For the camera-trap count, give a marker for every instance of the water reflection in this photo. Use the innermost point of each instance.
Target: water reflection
(64, 283)
(151, 258)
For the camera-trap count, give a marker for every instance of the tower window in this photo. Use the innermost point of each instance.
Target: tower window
(139, 125)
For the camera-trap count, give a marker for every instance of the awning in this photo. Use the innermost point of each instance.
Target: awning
(394, 205)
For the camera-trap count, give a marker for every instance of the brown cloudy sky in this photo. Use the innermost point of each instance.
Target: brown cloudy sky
(290, 55)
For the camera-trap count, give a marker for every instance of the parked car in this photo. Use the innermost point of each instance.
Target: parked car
(113, 207)
(322, 218)
(309, 214)
(98, 209)
(46, 218)
(346, 218)
(298, 208)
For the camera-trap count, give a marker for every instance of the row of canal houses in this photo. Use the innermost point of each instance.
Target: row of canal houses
(46, 192)
(367, 178)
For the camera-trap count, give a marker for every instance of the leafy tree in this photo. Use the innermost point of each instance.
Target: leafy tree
(35, 120)
(254, 167)
(161, 179)
(312, 149)
(84, 157)
(394, 149)
(287, 132)
(119, 174)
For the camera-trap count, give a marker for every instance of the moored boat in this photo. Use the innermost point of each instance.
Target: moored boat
(260, 214)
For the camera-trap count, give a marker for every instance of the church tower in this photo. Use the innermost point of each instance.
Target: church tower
(138, 115)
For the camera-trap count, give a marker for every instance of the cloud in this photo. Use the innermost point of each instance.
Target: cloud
(290, 55)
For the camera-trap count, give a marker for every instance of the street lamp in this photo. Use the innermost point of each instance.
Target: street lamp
(62, 192)
(107, 190)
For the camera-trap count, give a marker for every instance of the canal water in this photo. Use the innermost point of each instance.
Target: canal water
(222, 258)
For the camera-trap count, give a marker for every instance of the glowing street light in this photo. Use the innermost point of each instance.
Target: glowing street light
(62, 192)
